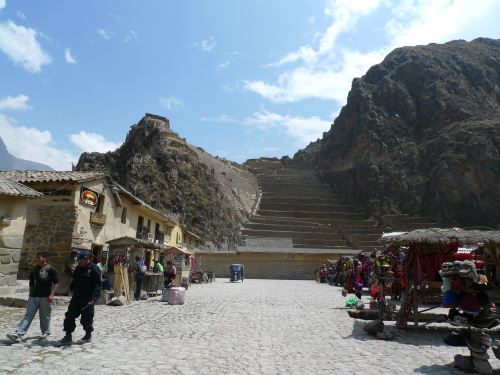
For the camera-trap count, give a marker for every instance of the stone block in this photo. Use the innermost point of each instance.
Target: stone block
(16, 255)
(4, 259)
(8, 280)
(8, 269)
(6, 290)
(11, 242)
(4, 251)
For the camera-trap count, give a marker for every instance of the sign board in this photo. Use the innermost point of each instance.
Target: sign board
(88, 197)
(177, 261)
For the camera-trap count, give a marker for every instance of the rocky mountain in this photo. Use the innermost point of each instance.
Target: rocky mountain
(212, 195)
(420, 134)
(9, 162)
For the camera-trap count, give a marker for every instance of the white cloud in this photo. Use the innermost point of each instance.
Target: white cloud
(16, 103)
(317, 82)
(69, 57)
(21, 15)
(92, 142)
(2, 4)
(33, 144)
(326, 70)
(220, 67)
(21, 45)
(207, 45)
(223, 119)
(301, 129)
(106, 34)
(131, 35)
(425, 21)
(170, 102)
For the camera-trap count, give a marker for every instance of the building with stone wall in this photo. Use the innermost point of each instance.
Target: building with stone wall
(13, 211)
(289, 264)
(89, 211)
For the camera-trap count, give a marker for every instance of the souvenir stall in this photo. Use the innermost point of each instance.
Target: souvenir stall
(434, 267)
(130, 248)
(182, 259)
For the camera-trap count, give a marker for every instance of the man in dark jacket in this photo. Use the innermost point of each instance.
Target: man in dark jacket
(86, 289)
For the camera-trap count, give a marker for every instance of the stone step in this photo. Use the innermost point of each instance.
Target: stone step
(368, 244)
(315, 215)
(280, 199)
(343, 223)
(320, 245)
(364, 230)
(21, 300)
(302, 189)
(292, 234)
(290, 227)
(364, 237)
(294, 206)
(303, 179)
(406, 227)
(298, 195)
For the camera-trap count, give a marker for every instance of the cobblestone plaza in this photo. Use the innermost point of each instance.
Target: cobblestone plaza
(256, 327)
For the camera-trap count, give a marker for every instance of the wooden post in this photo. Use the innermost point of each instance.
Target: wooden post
(415, 304)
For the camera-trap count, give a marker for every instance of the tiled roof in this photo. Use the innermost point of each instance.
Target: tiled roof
(51, 176)
(15, 189)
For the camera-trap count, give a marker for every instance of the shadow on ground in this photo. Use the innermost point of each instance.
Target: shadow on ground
(422, 336)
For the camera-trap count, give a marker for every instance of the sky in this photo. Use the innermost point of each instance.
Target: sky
(241, 79)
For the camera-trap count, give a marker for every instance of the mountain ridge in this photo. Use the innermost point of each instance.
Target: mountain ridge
(420, 134)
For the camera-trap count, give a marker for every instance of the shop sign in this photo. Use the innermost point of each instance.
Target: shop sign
(177, 261)
(88, 197)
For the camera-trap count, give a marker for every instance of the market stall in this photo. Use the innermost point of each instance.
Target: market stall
(182, 259)
(427, 251)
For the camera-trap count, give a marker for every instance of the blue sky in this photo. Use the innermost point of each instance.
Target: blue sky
(242, 79)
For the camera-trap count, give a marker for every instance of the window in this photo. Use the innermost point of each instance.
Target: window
(149, 224)
(140, 223)
(157, 228)
(124, 215)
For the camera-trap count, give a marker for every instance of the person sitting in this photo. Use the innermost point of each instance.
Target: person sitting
(170, 272)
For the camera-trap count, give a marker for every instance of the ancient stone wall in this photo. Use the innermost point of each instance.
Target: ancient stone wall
(12, 223)
(49, 227)
(265, 265)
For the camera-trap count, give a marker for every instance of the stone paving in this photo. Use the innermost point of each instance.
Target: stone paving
(256, 327)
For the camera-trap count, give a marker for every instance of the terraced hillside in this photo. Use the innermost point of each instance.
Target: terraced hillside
(297, 211)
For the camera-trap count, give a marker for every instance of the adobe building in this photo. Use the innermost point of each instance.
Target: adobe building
(89, 211)
(14, 198)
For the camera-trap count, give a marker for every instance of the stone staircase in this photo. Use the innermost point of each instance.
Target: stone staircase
(294, 205)
(297, 210)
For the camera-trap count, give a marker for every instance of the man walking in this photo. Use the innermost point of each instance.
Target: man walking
(43, 285)
(86, 289)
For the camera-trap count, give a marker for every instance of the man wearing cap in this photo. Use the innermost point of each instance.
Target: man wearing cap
(86, 289)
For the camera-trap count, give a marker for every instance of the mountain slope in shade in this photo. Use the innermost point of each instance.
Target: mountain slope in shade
(420, 134)
(9, 162)
(212, 195)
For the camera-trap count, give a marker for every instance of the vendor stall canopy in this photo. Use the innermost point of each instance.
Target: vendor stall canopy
(443, 236)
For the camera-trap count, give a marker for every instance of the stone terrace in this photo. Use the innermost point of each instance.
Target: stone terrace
(295, 205)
